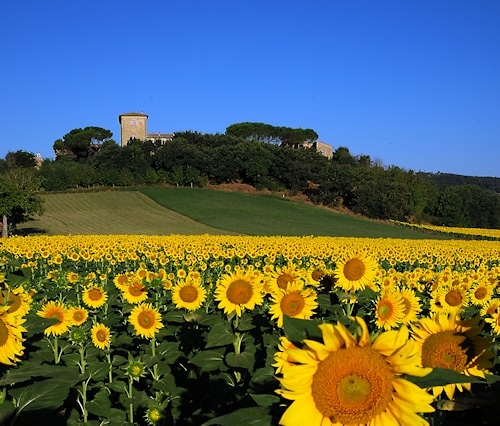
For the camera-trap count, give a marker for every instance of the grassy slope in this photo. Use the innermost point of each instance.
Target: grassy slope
(254, 214)
(111, 213)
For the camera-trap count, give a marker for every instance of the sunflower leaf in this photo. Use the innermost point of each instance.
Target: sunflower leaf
(254, 416)
(299, 329)
(220, 335)
(265, 400)
(208, 360)
(442, 377)
(242, 360)
(49, 393)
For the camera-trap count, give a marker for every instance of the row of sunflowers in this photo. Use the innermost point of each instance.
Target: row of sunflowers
(215, 330)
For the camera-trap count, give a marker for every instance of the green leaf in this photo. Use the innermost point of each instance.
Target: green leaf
(242, 360)
(263, 377)
(442, 377)
(265, 400)
(117, 386)
(49, 393)
(245, 323)
(208, 360)
(100, 404)
(367, 295)
(174, 316)
(253, 416)
(27, 370)
(166, 385)
(220, 335)
(97, 370)
(299, 329)
(491, 378)
(7, 408)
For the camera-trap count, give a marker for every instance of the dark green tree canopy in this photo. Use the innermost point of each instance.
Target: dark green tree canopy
(272, 134)
(20, 159)
(18, 197)
(79, 144)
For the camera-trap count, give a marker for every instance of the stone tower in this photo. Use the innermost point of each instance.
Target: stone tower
(133, 125)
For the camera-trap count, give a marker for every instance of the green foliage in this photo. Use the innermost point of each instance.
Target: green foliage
(19, 199)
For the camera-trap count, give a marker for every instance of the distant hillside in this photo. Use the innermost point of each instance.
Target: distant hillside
(487, 183)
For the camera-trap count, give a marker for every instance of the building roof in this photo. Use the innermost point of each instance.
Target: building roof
(141, 114)
(158, 135)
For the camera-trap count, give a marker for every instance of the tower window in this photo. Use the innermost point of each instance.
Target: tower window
(132, 122)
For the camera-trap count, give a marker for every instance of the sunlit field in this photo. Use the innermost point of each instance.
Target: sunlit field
(218, 330)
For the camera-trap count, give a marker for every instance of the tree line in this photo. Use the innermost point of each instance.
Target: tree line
(265, 157)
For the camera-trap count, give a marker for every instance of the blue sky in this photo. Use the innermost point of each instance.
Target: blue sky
(411, 83)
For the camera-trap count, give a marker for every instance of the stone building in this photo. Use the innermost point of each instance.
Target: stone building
(321, 147)
(134, 125)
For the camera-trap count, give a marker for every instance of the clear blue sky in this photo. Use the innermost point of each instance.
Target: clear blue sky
(412, 83)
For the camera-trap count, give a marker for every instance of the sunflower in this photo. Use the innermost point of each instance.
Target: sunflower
(18, 301)
(56, 310)
(283, 276)
(281, 358)
(295, 301)
(452, 298)
(146, 320)
(237, 291)
(78, 315)
(494, 320)
(412, 305)
(135, 292)
(101, 336)
(354, 272)
(446, 341)
(94, 296)
(389, 310)
(189, 294)
(11, 339)
(346, 380)
(481, 292)
(121, 281)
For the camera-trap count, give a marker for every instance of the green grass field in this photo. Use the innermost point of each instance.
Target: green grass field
(191, 211)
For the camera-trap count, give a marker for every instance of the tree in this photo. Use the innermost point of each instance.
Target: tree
(18, 198)
(20, 159)
(80, 144)
(272, 134)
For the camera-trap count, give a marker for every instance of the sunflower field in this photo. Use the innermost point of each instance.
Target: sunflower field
(217, 330)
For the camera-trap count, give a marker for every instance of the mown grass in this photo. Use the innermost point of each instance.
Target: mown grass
(195, 211)
(255, 214)
(111, 212)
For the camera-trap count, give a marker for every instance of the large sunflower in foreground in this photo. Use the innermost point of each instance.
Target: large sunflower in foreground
(146, 320)
(447, 342)
(238, 291)
(58, 311)
(189, 294)
(294, 301)
(350, 381)
(11, 339)
(354, 272)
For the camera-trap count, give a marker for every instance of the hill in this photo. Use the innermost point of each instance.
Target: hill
(189, 211)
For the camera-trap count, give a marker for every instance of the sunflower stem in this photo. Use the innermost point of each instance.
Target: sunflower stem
(131, 403)
(110, 372)
(153, 354)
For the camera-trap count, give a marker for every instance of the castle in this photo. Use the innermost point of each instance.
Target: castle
(133, 125)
